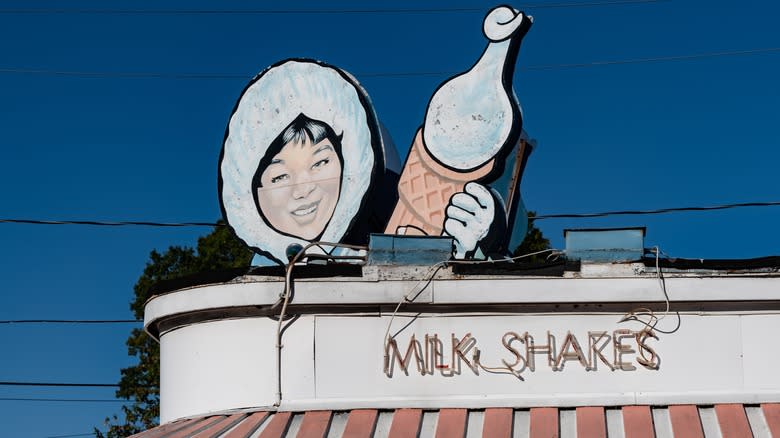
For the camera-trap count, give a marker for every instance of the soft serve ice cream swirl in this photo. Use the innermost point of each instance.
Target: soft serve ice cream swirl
(471, 116)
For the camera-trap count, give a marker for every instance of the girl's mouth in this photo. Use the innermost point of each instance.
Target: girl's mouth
(306, 209)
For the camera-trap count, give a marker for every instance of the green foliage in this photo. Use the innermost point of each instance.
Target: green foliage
(140, 383)
(534, 242)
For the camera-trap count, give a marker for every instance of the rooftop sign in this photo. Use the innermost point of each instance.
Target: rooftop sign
(305, 159)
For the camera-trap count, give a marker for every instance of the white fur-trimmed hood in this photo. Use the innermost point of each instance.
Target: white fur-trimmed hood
(268, 105)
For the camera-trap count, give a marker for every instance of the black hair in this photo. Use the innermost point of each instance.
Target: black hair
(298, 131)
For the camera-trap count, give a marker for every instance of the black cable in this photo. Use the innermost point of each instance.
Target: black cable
(427, 283)
(159, 75)
(312, 11)
(541, 67)
(64, 400)
(539, 217)
(111, 223)
(654, 59)
(61, 384)
(414, 227)
(70, 321)
(85, 11)
(96, 74)
(72, 435)
(656, 211)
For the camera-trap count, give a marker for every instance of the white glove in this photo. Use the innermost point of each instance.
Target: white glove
(469, 217)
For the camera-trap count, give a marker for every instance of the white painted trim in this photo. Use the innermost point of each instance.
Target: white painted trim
(336, 362)
(535, 400)
(484, 290)
(513, 401)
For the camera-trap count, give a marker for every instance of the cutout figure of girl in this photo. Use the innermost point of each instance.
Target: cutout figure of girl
(304, 160)
(298, 181)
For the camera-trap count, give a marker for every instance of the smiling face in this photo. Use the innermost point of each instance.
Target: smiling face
(300, 187)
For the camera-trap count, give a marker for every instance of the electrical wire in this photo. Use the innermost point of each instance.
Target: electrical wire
(655, 211)
(121, 74)
(72, 435)
(654, 59)
(70, 321)
(312, 11)
(552, 251)
(653, 320)
(110, 223)
(412, 295)
(530, 68)
(286, 296)
(64, 400)
(196, 76)
(61, 384)
(535, 218)
(288, 286)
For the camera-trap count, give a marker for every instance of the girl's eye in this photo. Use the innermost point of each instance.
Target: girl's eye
(278, 178)
(320, 163)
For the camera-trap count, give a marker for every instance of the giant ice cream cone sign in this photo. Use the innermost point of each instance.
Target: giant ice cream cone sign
(473, 121)
(305, 159)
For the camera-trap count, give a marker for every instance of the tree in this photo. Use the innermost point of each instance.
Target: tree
(534, 242)
(140, 384)
(218, 250)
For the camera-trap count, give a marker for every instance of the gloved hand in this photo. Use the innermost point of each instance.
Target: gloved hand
(468, 217)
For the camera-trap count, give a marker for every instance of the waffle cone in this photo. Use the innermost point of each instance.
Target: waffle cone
(424, 190)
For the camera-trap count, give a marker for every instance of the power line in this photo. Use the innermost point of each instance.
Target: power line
(111, 223)
(656, 59)
(195, 76)
(121, 75)
(538, 67)
(84, 11)
(61, 384)
(656, 211)
(70, 321)
(90, 11)
(539, 217)
(64, 400)
(72, 435)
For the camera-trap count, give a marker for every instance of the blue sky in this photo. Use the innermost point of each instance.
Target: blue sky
(630, 136)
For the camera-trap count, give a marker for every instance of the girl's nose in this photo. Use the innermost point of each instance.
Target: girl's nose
(303, 188)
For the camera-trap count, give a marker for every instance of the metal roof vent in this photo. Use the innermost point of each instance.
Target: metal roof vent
(605, 244)
(387, 249)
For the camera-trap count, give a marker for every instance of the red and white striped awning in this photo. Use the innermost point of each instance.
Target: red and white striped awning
(688, 421)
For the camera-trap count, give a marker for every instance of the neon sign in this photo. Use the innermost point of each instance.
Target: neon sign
(618, 350)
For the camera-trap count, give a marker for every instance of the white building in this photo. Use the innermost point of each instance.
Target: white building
(589, 349)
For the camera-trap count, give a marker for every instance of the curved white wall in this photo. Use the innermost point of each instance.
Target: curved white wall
(336, 361)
